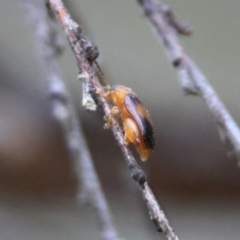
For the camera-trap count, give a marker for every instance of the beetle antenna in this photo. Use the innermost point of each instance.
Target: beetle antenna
(105, 82)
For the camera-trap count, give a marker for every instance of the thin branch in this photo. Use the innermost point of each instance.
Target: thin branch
(191, 77)
(46, 41)
(80, 45)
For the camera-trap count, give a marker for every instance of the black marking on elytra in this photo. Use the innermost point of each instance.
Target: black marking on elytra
(131, 102)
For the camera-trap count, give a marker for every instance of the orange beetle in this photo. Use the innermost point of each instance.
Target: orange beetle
(136, 120)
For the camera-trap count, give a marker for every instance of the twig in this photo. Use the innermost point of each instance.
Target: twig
(85, 62)
(192, 79)
(64, 112)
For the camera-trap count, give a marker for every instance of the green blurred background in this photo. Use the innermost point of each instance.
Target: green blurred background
(195, 181)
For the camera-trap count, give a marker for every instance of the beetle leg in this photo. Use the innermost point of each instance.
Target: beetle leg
(109, 118)
(126, 141)
(131, 131)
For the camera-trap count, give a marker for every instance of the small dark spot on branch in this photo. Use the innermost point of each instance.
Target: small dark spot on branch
(59, 97)
(78, 33)
(139, 176)
(177, 62)
(148, 8)
(181, 27)
(156, 223)
(90, 49)
(91, 52)
(79, 29)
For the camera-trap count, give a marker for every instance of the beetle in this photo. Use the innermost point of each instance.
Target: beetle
(137, 124)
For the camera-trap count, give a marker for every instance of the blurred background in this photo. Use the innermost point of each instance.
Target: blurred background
(195, 181)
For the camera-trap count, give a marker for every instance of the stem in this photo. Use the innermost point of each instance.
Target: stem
(168, 26)
(47, 45)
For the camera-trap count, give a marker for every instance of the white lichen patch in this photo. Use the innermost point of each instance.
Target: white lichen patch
(87, 100)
